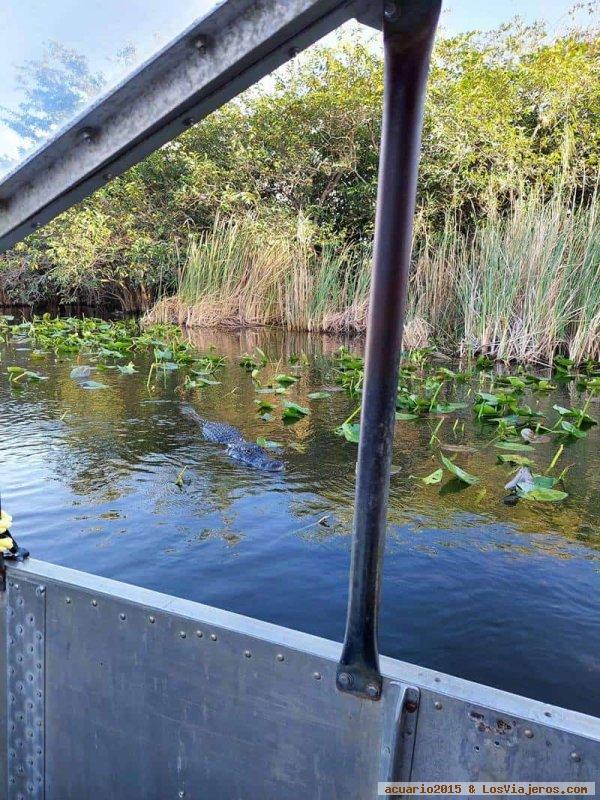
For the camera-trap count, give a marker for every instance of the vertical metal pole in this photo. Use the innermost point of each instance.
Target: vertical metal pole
(408, 33)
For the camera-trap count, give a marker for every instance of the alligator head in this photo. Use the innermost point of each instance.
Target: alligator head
(254, 456)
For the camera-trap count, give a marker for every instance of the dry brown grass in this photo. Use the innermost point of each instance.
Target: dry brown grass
(520, 287)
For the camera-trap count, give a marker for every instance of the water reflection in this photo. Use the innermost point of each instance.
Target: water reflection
(503, 595)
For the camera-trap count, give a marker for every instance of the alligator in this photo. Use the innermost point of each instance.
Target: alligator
(237, 447)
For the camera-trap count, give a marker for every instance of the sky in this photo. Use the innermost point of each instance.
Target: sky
(99, 29)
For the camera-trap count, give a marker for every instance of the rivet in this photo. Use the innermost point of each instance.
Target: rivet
(575, 756)
(94, 603)
(438, 705)
(247, 653)
(201, 43)
(151, 620)
(528, 733)
(199, 634)
(181, 793)
(187, 121)
(372, 690)
(68, 600)
(547, 714)
(390, 11)
(411, 706)
(182, 634)
(317, 676)
(35, 225)
(280, 657)
(86, 135)
(213, 636)
(40, 589)
(107, 176)
(345, 680)
(122, 616)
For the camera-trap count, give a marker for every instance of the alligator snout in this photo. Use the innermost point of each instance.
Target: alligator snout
(253, 456)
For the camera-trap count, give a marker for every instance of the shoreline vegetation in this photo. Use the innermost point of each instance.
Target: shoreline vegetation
(522, 286)
(263, 213)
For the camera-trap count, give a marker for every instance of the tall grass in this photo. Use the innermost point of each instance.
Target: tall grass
(521, 285)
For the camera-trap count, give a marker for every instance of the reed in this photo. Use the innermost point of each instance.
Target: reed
(522, 285)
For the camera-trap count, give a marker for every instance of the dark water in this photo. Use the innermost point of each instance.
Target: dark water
(508, 596)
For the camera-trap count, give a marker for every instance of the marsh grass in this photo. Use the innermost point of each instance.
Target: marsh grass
(523, 285)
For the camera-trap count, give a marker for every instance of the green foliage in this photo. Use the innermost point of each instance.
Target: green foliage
(509, 115)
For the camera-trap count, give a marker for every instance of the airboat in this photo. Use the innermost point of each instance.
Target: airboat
(111, 690)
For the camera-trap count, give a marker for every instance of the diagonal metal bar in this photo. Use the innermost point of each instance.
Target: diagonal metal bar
(408, 32)
(215, 59)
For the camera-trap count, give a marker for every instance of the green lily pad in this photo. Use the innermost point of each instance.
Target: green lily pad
(519, 446)
(461, 474)
(543, 495)
(285, 380)
(292, 412)
(319, 396)
(268, 444)
(447, 408)
(513, 458)
(569, 428)
(402, 417)
(129, 369)
(435, 477)
(350, 431)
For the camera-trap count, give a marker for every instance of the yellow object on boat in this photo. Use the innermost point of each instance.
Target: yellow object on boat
(6, 543)
(5, 521)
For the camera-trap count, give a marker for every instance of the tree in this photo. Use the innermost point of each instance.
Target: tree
(55, 88)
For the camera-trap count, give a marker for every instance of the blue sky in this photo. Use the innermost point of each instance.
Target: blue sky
(100, 28)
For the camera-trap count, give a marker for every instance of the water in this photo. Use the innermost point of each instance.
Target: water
(507, 596)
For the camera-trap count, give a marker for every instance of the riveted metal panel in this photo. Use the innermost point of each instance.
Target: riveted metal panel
(182, 707)
(469, 741)
(25, 642)
(153, 697)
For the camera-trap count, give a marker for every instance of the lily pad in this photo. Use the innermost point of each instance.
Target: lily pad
(319, 396)
(83, 371)
(92, 385)
(461, 474)
(513, 458)
(572, 430)
(527, 448)
(543, 495)
(402, 417)
(268, 444)
(18, 374)
(285, 380)
(263, 406)
(447, 408)
(129, 369)
(292, 412)
(350, 431)
(435, 477)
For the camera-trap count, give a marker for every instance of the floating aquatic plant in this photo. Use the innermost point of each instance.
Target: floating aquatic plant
(457, 471)
(292, 412)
